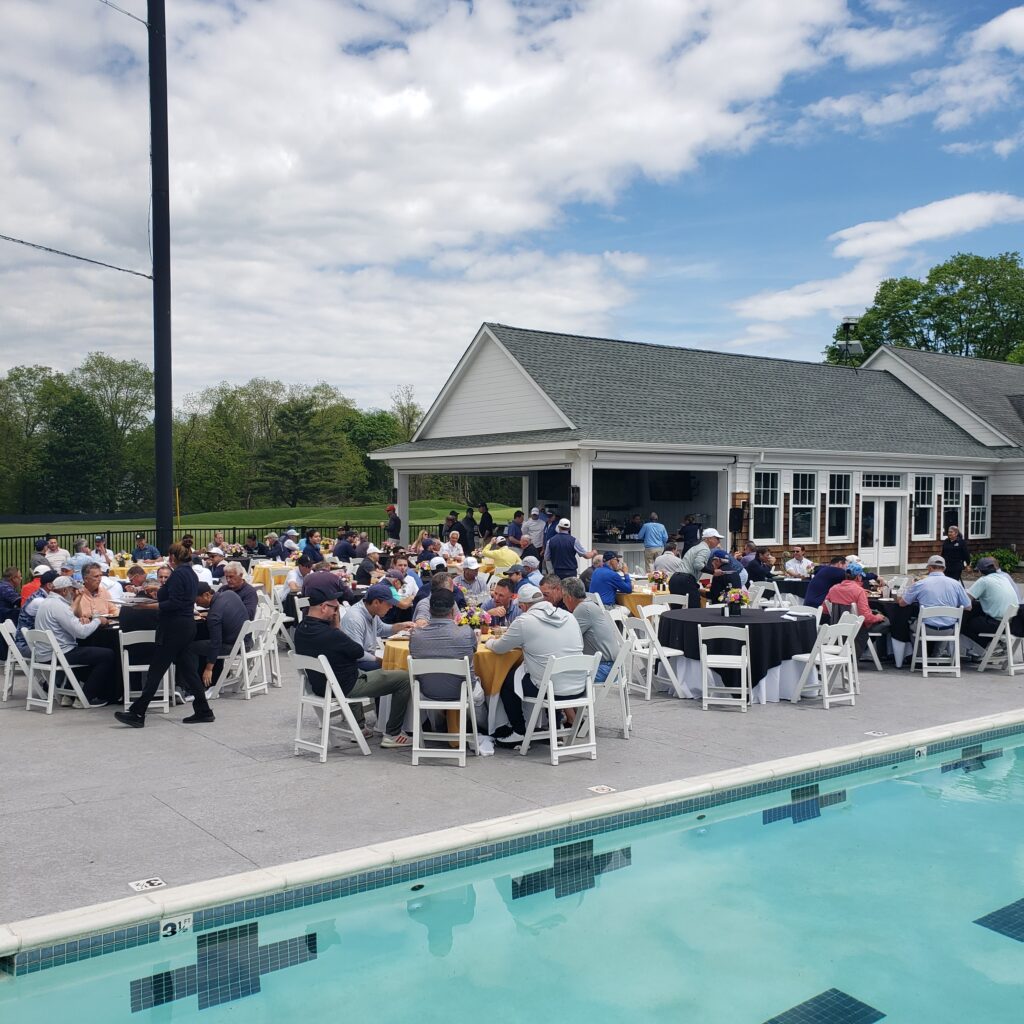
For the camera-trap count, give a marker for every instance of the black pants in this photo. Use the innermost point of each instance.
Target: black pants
(685, 584)
(173, 637)
(101, 678)
(199, 652)
(977, 624)
(514, 706)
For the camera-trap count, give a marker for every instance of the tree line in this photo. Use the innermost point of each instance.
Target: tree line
(967, 306)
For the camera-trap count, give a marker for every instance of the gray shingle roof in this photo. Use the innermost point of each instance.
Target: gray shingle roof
(993, 390)
(622, 390)
(468, 441)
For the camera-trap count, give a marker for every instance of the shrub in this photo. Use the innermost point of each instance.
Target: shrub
(1007, 558)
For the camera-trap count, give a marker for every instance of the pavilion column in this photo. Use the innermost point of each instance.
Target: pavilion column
(582, 515)
(402, 502)
(524, 502)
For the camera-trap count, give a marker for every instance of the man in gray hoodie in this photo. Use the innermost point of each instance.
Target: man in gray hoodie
(542, 631)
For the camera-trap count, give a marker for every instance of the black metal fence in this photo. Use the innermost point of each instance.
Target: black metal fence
(18, 550)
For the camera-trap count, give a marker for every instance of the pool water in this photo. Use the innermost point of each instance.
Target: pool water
(849, 902)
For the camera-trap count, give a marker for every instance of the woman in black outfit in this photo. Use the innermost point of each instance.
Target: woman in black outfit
(175, 630)
(955, 552)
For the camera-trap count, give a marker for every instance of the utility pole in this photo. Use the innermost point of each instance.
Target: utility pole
(162, 396)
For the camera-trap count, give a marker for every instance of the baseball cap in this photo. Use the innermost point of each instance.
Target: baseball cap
(518, 567)
(609, 555)
(378, 592)
(986, 564)
(711, 532)
(564, 524)
(437, 562)
(392, 574)
(291, 533)
(855, 568)
(390, 508)
(100, 536)
(372, 549)
(470, 563)
(529, 594)
(66, 583)
(40, 544)
(534, 511)
(217, 551)
(937, 560)
(500, 541)
(324, 590)
(530, 562)
(140, 536)
(40, 569)
(48, 577)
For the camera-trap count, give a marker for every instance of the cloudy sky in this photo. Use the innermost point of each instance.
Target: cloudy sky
(357, 184)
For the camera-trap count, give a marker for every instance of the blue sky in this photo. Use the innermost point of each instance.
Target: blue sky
(356, 186)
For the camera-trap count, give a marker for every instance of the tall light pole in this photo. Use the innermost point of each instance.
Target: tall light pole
(162, 396)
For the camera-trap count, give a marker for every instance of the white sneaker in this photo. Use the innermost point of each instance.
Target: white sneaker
(66, 702)
(76, 703)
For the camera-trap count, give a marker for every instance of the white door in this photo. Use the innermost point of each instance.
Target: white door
(881, 532)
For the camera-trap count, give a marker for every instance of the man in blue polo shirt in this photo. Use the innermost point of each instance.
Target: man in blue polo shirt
(825, 577)
(610, 579)
(654, 537)
(143, 552)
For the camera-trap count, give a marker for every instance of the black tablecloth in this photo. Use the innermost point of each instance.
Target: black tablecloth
(773, 638)
(794, 586)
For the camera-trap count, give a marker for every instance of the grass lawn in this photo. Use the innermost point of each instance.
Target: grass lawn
(420, 512)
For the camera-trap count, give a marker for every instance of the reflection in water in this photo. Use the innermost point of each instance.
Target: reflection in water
(440, 913)
(539, 913)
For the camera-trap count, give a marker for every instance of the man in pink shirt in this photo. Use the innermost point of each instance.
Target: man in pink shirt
(851, 592)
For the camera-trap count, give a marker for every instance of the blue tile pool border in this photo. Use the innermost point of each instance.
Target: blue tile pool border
(30, 961)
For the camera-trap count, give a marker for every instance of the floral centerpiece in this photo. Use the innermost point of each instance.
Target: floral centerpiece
(234, 550)
(122, 558)
(475, 617)
(658, 579)
(735, 600)
(294, 556)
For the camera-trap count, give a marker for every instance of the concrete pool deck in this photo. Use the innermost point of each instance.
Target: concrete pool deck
(89, 806)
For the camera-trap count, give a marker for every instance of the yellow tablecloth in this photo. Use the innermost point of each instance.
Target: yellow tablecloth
(634, 601)
(264, 574)
(121, 571)
(491, 669)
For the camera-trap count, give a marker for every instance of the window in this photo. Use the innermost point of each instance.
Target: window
(880, 481)
(803, 508)
(924, 508)
(765, 519)
(979, 507)
(839, 519)
(952, 500)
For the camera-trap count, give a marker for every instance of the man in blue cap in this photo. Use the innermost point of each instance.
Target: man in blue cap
(610, 579)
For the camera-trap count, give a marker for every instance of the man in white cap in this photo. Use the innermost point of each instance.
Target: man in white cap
(694, 562)
(562, 550)
(533, 533)
(470, 582)
(533, 574)
(290, 540)
(542, 631)
(217, 561)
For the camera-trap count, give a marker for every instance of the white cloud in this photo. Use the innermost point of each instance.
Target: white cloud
(874, 46)
(1003, 32)
(878, 247)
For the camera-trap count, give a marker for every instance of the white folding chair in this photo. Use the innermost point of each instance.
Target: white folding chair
(803, 609)
(244, 669)
(164, 698)
(301, 604)
(584, 706)
(659, 665)
(333, 704)
(267, 630)
(832, 656)
(635, 629)
(926, 636)
(618, 679)
(15, 662)
(672, 600)
(1003, 647)
(48, 680)
(618, 614)
(764, 595)
(463, 705)
(713, 691)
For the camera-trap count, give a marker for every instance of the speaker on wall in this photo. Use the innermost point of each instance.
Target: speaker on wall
(735, 520)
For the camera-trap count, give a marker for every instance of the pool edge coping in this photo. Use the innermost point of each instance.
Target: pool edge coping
(29, 933)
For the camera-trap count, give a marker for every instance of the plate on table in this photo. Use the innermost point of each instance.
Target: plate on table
(404, 634)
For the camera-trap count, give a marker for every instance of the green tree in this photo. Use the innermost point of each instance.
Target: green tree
(968, 306)
(375, 429)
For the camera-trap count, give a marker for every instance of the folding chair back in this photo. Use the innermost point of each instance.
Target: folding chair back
(947, 639)
(764, 595)
(659, 664)
(672, 600)
(585, 723)
(15, 662)
(301, 604)
(462, 706)
(1004, 650)
(332, 703)
(165, 694)
(244, 669)
(48, 680)
(618, 680)
(713, 691)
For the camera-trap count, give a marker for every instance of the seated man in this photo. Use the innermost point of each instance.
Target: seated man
(541, 631)
(234, 579)
(255, 548)
(824, 578)
(217, 563)
(749, 553)
(10, 597)
(599, 632)
(369, 566)
(319, 633)
(275, 549)
(290, 541)
(293, 581)
(502, 606)
(439, 580)
(99, 676)
(364, 622)
(799, 566)
(451, 549)
(93, 600)
(936, 590)
(82, 557)
(726, 573)
(610, 580)
(595, 563)
(759, 568)
(499, 552)
(27, 612)
(993, 595)
(516, 575)
(135, 582)
(669, 561)
(144, 551)
(404, 588)
(442, 638)
(345, 548)
(202, 573)
(551, 588)
(470, 582)
(39, 554)
(225, 618)
(533, 574)
(850, 592)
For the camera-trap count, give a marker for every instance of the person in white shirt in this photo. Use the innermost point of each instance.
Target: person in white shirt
(55, 554)
(451, 549)
(799, 566)
(669, 561)
(289, 541)
(470, 582)
(99, 551)
(533, 575)
(113, 587)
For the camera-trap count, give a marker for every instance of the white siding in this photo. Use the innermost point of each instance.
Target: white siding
(493, 395)
(1009, 480)
(882, 360)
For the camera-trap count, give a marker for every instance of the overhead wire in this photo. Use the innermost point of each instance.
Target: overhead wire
(75, 256)
(134, 17)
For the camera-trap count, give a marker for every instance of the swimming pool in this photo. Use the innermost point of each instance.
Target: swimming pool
(888, 888)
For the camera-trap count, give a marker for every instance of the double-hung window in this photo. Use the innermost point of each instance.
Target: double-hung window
(924, 508)
(803, 509)
(952, 502)
(764, 520)
(979, 507)
(839, 516)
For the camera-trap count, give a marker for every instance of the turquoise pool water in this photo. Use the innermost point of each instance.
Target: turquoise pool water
(852, 902)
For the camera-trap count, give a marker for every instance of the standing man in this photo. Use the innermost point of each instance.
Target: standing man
(533, 534)
(514, 530)
(486, 524)
(690, 533)
(393, 528)
(468, 531)
(54, 554)
(654, 537)
(610, 579)
(694, 563)
(563, 548)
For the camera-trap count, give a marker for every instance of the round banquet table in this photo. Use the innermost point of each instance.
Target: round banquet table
(263, 574)
(635, 601)
(795, 586)
(774, 639)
